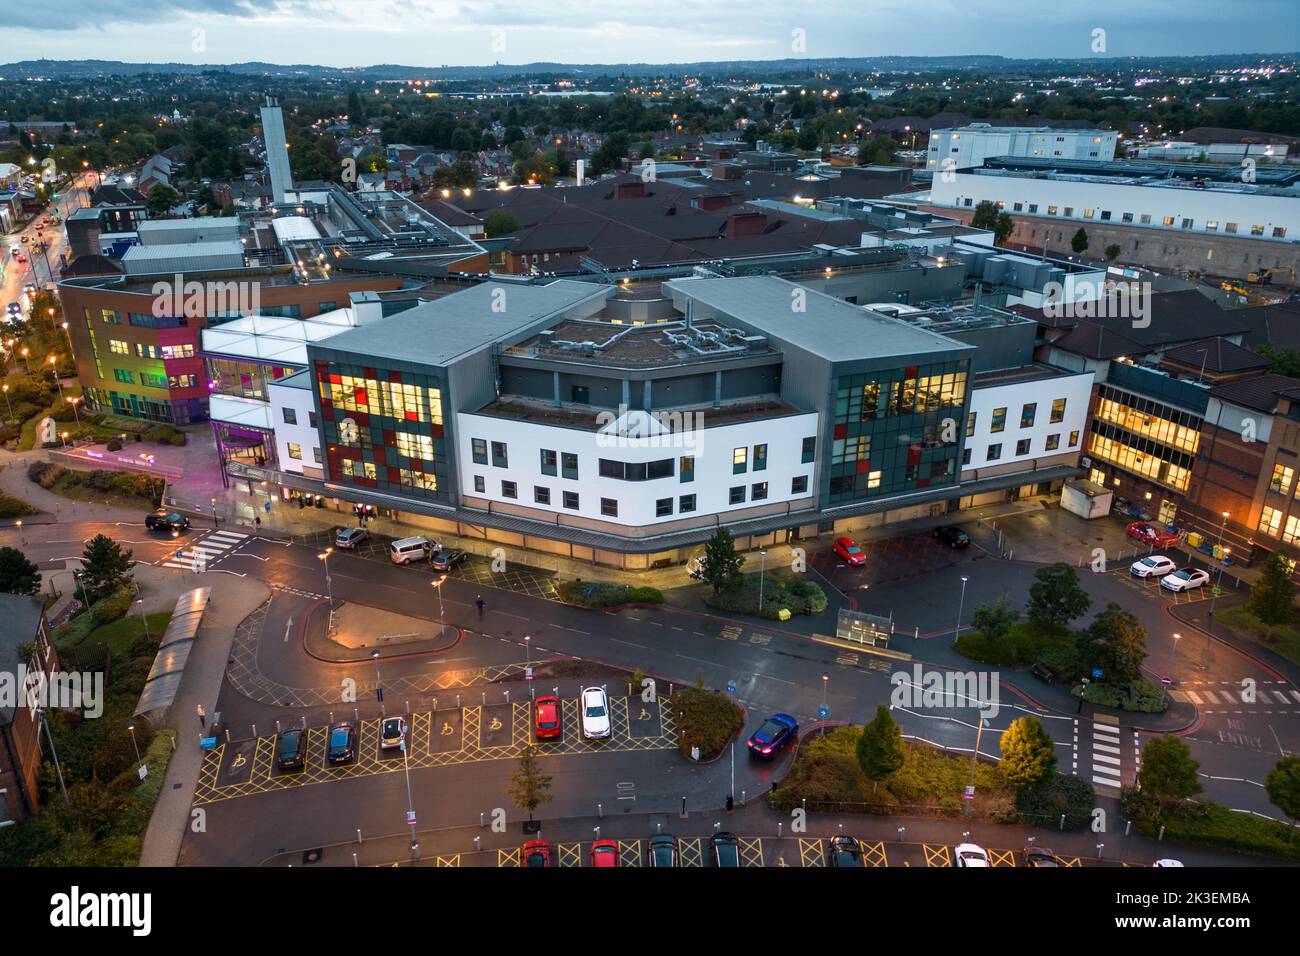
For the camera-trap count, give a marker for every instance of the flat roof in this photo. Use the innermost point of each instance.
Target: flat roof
(826, 326)
(440, 331)
(272, 339)
(584, 417)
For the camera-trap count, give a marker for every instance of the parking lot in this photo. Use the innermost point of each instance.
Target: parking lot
(892, 560)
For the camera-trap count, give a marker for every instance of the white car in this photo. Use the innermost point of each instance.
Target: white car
(1167, 862)
(1185, 579)
(595, 713)
(970, 855)
(392, 733)
(1155, 566)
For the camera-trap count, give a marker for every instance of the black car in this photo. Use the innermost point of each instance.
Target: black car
(291, 751)
(446, 559)
(952, 536)
(343, 742)
(726, 849)
(1040, 856)
(164, 520)
(842, 851)
(662, 851)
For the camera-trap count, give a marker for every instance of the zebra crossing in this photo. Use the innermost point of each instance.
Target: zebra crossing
(1229, 697)
(205, 551)
(1106, 755)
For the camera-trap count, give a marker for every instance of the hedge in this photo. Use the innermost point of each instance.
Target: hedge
(1061, 793)
(796, 595)
(596, 594)
(11, 507)
(1212, 824)
(1022, 644)
(1142, 696)
(705, 719)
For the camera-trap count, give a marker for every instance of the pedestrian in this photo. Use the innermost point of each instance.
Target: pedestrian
(203, 716)
(257, 525)
(478, 603)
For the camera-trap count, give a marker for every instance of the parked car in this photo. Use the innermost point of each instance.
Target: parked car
(349, 538)
(595, 713)
(1155, 566)
(164, 520)
(847, 550)
(1167, 863)
(392, 732)
(406, 550)
(291, 750)
(971, 856)
(446, 559)
(1040, 856)
(546, 718)
(535, 853)
(777, 731)
(1148, 533)
(343, 742)
(1185, 579)
(952, 536)
(725, 849)
(843, 851)
(663, 851)
(604, 853)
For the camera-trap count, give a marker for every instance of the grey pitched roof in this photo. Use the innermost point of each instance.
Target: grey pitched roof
(20, 620)
(1217, 355)
(1259, 393)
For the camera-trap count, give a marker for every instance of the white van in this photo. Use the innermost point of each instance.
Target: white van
(406, 550)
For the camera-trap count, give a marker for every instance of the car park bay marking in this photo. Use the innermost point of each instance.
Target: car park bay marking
(1002, 858)
(873, 854)
(810, 853)
(936, 855)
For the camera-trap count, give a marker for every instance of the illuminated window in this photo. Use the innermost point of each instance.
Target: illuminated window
(415, 446)
(1281, 480)
(1058, 410)
(1270, 520)
(999, 420)
(118, 347)
(739, 460)
(422, 480)
(359, 469)
(295, 450)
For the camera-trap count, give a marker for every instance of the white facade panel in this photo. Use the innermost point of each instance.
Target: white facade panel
(713, 450)
(299, 435)
(1013, 399)
(971, 145)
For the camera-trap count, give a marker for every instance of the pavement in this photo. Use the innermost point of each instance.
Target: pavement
(231, 601)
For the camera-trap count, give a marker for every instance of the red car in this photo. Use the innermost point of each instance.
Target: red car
(847, 550)
(1149, 534)
(604, 853)
(535, 853)
(546, 718)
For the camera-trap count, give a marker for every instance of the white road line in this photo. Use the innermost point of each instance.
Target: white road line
(1192, 697)
(1102, 758)
(1281, 697)
(1104, 748)
(1105, 782)
(1295, 694)
(1209, 697)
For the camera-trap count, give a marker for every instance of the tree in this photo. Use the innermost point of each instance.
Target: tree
(162, 199)
(1115, 641)
(876, 151)
(106, 566)
(499, 222)
(1272, 598)
(1079, 243)
(356, 114)
(374, 163)
(1168, 772)
(1112, 252)
(1028, 753)
(17, 574)
(1283, 786)
(720, 565)
(880, 748)
(1056, 597)
(988, 216)
(529, 787)
(994, 620)
(1285, 359)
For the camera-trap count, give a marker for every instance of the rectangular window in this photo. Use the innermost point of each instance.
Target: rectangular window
(414, 446)
(1292, 530)
(571, 500)
(737, 495)
(999, 420)
(760, 457)
(1074, 439)
(295, 450)
(1027, 415)
(315, 453)
(1058, 410)
(1270, 521)
(550, 462)
(1281, 480)
(809, 450)
(686, 503)
(111, 316)
(970, 425)
(687, 468)
(509, 489)
(994, 453)
(499, 457)
(479, 484)
(359, 469)
(609, 507)
(1053, 442)
(569, 465)
(123, 376)
(965, 457)
(145, 350)
(739, 460)
(541, 495)
(311, 419)
(758, 491)
(478, 449)
(118, 347)
(1230, 227)
(176, 381)
(663, 507)
(1022, 447)
(799, 485)
(178, 351)
(290, 416)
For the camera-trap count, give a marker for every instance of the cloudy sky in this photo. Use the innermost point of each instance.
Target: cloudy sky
(471, 32)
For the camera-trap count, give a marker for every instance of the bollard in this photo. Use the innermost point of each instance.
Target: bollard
(277, 726)
(1161, 836)
(356, 714)
(482, 820)
(1128, 826)
(1100, 847)
(227, 735)
(254, 731)
(1062, 825)
(742, 798)
(435, 704)
(779, 825)
(408, 708)
(683, 813)
(600, 812)
(355, 861)
(358, 834)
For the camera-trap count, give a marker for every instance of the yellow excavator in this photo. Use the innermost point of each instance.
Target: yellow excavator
(1252, 298)
(1266, 277)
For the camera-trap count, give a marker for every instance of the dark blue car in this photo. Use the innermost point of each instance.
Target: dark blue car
(777, 731)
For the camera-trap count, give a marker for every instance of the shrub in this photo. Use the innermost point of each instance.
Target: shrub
(823, 776)
(178, 439)
(114, 444)
(1211, 824)
(1142, 696)
(1021, 643)
(45, 473)
(645, 595)
(799, 596)
(1060, 793)
(705, 719)
(11, 507)
(114, 606)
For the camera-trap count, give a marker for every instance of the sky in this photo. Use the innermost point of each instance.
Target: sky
(474, 32)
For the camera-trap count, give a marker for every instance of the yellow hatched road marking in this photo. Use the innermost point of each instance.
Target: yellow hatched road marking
(810, 853)
(751, 851)
(509, 857)
(936, 855)
(873, 854)
(1002, 857)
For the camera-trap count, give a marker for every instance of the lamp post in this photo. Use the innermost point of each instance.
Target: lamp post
(8, 405)
(64, 436)
(68, 333)
(762, 562)
(826, 680)
(1222, 527)
(24, 352)
(213, 502)
(54, 370)
(135, 744)
(144, 618)
(437, 586)
(379, 688)
(961, 606)
(410, 803)
(974, 761)
(73, 400)
(1173, 650)
(329, 586)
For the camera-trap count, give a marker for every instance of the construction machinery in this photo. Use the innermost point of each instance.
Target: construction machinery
(1265, 277)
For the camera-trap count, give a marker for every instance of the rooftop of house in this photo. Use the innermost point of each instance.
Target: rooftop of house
(20, 621)
(1259, 393)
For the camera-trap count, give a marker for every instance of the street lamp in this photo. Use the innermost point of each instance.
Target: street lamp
(437, 586)
(8, 405)
(1173, 650)
(144, 618)
(329, 586)
(762, 561)
(27, 369)
(135, 744)
(961, 605)
(54, 370)
(974, 761)
(64, 436)
(214, 513)
(72, 400)
(67, 332)
(1222, 527)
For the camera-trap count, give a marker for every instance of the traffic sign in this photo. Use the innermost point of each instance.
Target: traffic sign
(969, 794)
(731, 687)
(1096, 673)
(823, 712)
(1166, 681)
(410, 818)
(528, 673)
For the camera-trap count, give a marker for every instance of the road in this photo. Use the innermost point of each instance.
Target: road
(16, 275)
